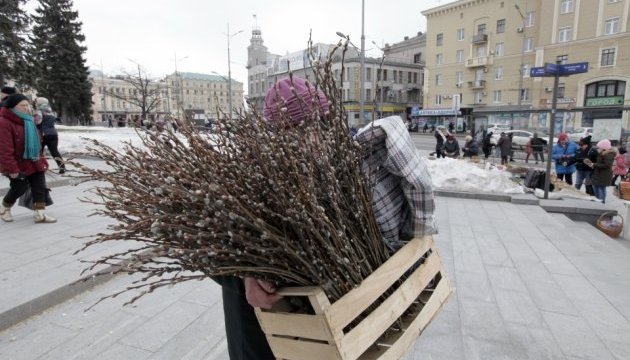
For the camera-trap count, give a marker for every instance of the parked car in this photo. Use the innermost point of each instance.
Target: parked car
(579, 133)
(519, 139)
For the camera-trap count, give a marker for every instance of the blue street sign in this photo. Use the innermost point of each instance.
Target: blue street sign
(538, 72)
(551, 69)
(575, 68)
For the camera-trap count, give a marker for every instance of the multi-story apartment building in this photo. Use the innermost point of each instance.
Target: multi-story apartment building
(107, 93)
(199, 93)
(392, 85)
(480, 52)
(203, 92)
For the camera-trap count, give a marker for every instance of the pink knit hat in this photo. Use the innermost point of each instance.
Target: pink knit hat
(296, 98)
(604, 144)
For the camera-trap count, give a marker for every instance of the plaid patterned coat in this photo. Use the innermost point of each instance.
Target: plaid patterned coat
(402, 189)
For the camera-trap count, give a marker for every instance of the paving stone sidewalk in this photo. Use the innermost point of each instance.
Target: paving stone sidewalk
(529, 285)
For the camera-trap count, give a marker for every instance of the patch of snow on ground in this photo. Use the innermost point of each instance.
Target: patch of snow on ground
(461, 175)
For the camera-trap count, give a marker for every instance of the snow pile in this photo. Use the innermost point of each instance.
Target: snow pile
(460, 175)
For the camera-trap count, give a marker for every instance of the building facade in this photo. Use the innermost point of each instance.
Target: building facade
(203, 92)
(392, 85)
(484, 61)
(178, 94)
(106, 104)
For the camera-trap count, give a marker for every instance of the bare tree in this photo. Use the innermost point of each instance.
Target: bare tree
(145, 94)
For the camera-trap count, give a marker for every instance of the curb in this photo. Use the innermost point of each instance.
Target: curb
(66, 292)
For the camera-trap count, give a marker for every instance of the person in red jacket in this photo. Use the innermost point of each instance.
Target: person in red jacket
(22, 158)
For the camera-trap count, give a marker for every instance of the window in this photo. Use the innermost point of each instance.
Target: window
(459, 56)
(400, 77)
(500, 26)
(368, 94)
(415, 78)
(566, 6)
(528, 44)
(478, 97)
(459, 78)
(417, 58)
(481, 29)
(526, 69)
(564, 34)
(438, 59)
(438, 79)
(460, 34)
(497, 96)
(524, 94)
(563, 59)
(612, 1)
(378, 74)
(368, 74)
(438, 99)
(499, 49)
(498, 73)
(384, 74)
(608, 57)
(612, 26)
(606, 88)
(530, 18)
(560, 93)
(439, 40)
(395, 76)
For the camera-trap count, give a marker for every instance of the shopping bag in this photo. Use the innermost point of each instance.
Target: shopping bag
(26, 200)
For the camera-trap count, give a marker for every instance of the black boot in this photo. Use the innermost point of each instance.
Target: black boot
(589, 190)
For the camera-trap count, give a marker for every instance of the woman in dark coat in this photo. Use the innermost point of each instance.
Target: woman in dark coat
(505, 145)
(22, 158)
(602, 168)
(470, 147)
(49, 133)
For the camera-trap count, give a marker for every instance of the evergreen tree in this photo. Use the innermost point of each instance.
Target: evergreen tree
(58, 64)
(13, 26)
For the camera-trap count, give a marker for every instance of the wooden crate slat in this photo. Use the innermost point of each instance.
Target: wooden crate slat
(355, 342)
(298, 325)
(300, 291)
(346, 309)
(291, 349)
(404, 340)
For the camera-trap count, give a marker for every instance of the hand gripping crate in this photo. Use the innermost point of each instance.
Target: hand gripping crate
(387, 332)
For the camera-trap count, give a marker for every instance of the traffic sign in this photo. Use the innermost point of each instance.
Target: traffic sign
(575, 68)
(563, 70)
(538, 72)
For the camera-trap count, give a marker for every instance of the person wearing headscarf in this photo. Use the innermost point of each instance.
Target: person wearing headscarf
(290, 102)
(450, 148)
(563, 154)
(470, 147)
(602, 168)
(47, 121)
(22, 158)
(584, 172)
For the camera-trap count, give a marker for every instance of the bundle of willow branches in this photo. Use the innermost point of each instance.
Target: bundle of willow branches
(277, 201)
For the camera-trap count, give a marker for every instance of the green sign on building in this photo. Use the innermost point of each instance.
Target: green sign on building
(605, 101)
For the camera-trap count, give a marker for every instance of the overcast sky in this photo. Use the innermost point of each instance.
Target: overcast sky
(151, 32)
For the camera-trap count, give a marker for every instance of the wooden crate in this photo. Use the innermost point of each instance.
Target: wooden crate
(414, 303)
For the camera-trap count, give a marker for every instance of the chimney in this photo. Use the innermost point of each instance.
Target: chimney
(406, 37)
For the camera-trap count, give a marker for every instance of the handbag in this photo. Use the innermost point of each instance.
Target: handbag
(26, 200)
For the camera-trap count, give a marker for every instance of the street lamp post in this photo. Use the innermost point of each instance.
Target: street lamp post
(362, 71)
(179, 90)
(228, 35)
(521, 73)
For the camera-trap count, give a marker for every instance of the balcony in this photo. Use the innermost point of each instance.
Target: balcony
(478, 61)
(480, 39)
(477, 84)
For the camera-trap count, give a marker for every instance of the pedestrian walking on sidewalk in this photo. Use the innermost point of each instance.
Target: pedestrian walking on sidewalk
(505, 146)
(486, 145)
(538, 147)
(46, 123)
(22, 158)
(602, 168)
